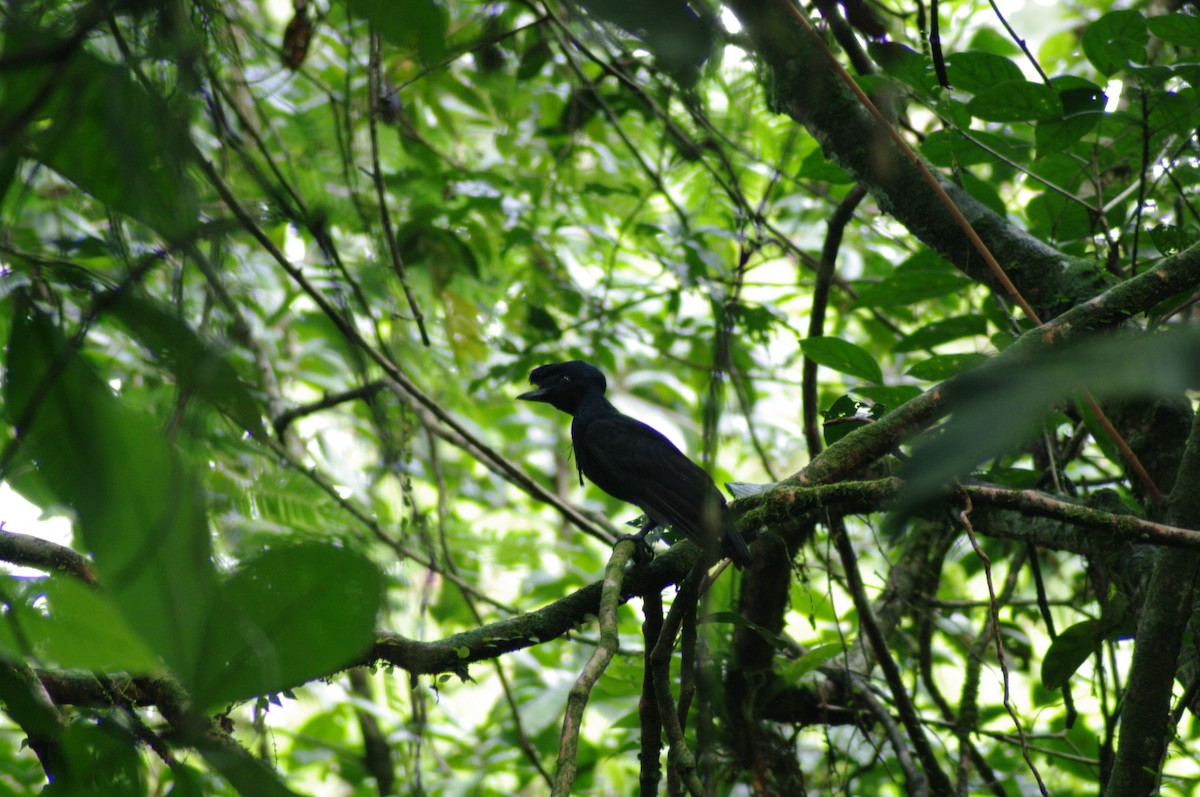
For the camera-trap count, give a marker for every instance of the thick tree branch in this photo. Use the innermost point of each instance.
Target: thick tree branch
(804, 85)
(455, 653)
(1170, 602)
(1116, 305)
(789, 504)
(29, 551)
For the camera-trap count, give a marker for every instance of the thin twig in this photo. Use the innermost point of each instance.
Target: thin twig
(1020, 42)
(930, 778)
(683, 763)
(577, 698)
(385, 216)
(965, 519)
(816, 320)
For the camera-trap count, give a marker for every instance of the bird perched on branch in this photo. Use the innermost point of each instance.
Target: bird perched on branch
(633, 462)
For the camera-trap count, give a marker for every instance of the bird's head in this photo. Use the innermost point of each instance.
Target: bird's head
(563, 385)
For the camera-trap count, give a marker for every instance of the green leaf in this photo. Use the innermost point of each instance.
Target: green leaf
(1068, 652)
(87, 120)
(1179, 29)
(909, 287)
(844, 416)
(139, 510)
(949, 147)
(793, 671)
(1016, 101)
(842, 407)
(1170, 239)
(1153, 76)
(984, 191)
(534, 57)
(1115, 39)
(842, 356)
(1083, 104)
(905, 64)
(1079, 95)
(197, 366)
(817, 167)
(290, 615)
(990, 40)
(998, 405)
(83, 628)
(105, 760)
(733, 618)
(1017, 478)
(835, 429)
(414, 25)
(944, 366)
(891, 396)
(977, 72)
(1057, 135)
(1058, 217)
(1172, 112)
(943, 331)
(539, 319)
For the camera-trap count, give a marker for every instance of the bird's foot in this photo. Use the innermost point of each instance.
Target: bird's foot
(642, 552)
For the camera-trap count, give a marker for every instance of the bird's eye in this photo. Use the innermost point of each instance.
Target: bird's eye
(566, 378)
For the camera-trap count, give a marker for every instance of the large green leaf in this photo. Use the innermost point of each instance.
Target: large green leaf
(843, 356)
(89, 121)
(1179, 29)
(415, 25)
(942, 331)
(1016, 101)
(976, 72)
(1069, 651)
(905, 64)
(908, 287)
(140, 512)
(81, 627)
(290, 615)
(995, 407)
(1115, 39)
(793, 671)
(198, 366)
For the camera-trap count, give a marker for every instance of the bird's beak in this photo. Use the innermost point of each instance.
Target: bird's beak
(534, 395)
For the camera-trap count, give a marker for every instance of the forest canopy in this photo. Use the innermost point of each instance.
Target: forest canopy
(913, 283)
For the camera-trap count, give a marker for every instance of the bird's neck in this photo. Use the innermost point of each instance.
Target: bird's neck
(594, 405)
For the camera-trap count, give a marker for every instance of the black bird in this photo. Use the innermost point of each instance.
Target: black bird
(633, 462)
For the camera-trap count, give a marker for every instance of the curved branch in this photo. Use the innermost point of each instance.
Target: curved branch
(610, 600)
(816, 320)
(806, 86)
(29, 551)
(454, 653)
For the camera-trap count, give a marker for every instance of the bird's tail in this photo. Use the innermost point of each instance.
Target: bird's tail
(734, 546)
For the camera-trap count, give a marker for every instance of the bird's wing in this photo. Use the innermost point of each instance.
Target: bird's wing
(636, 463)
